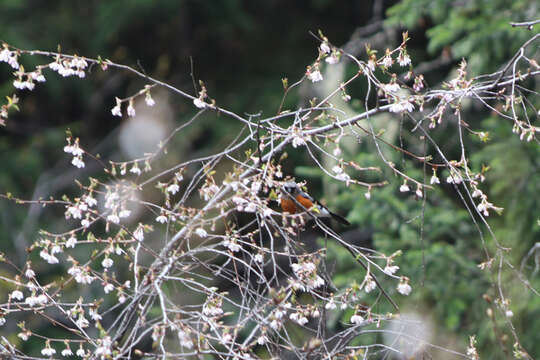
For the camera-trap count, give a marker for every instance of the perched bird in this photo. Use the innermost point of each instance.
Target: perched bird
(294, 200)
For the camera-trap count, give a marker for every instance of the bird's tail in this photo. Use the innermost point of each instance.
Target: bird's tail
(339, 218)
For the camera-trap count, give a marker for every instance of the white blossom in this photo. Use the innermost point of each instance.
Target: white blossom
(78, 162)
(324, 47)
(370, 284)
(199, 103)
(161, 219)
(114, 218)
(173, 188)
(387, 61)
(261, 340)
(231, 245)
(333, 58)
(108, 288)
(404, 288)
(31, 300)
(74, 212)
(81, 276)
(201, 232)
(394, 87)
(303, 320)
(80, 352)
(94, 315)
(124, 213)
(298, 318)
(404, 187)
(18, 84)
(48, 351)
(477, 193)
(75, 149)
(331, 305)
(267, 212)
(55, 66)
(148, 99)
(130, 110)
(390, 269)
(403, 59)
(135, 169)
(110, 199)
(17, 295)
(29, 273)
(407, 105)
(255, 186)
(184, 339)
(104, 349)
(226, 338)
(211, 309)
(26, 85)
(251, 207)
(36, 300)
(482, 207)
(107, 262)
(82, 322)
(314, 75)
(67, 352)
(396, 107)
(344, 177)
(274, 324)
(116, 111)
(31, 286)
(51, 259)
(337, 169)
(454, 179)
(138, 234)
(357, 319)
(298, 141)
(434, 180)
(56, 249)
(9, 57)
(259, 258)
(401, 106)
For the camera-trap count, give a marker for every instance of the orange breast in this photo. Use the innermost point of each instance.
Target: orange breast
(288, 205)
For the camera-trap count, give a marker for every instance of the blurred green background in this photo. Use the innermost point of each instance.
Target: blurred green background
(241, 50)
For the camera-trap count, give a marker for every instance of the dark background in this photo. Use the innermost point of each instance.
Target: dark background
(242, 50)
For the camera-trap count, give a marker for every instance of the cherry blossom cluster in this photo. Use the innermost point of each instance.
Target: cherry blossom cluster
(75, 150)
(72, 66)
(10, 57)
(130, 110)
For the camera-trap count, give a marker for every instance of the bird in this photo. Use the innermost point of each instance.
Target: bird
(294, 200)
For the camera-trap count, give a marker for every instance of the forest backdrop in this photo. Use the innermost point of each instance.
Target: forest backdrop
(242, 50)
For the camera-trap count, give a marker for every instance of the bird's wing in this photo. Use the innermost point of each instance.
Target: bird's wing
(305, 195)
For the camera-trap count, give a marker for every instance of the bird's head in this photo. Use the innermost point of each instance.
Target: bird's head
(290, 187)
